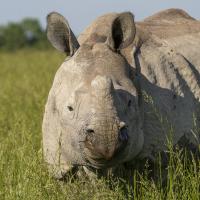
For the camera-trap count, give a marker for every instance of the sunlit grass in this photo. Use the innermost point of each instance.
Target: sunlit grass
(25, 80)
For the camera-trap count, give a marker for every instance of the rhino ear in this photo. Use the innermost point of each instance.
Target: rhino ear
(60, 35)
(122, 31)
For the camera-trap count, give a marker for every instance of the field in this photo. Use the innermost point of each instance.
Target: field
(25, 80)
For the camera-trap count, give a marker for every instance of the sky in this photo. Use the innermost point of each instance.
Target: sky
(80, 13)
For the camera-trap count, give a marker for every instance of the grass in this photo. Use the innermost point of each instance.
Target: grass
(25, 80)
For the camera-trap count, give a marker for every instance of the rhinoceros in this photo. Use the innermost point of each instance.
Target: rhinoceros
(123, 90)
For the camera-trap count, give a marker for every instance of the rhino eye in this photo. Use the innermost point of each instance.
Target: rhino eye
(129, 103)
(70, 108)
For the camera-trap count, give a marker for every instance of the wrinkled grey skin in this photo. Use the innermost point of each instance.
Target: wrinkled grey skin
(125, 88)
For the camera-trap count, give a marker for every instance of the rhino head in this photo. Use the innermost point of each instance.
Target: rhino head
(93, 114)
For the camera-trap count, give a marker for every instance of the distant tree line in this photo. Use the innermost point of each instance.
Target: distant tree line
(25, 34)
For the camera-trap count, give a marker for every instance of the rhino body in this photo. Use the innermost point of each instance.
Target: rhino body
(125, 89)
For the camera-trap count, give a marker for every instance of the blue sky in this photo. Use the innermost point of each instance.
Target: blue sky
(81, 12)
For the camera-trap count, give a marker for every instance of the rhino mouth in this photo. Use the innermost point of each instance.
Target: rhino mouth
(96, 160)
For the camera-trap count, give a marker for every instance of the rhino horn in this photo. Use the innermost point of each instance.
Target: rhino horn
(60, 35)
(103, 84)
(122, 31)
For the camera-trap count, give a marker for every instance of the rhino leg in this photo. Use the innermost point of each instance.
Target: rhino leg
(61, 171)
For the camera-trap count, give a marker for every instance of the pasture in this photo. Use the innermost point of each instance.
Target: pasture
(25, 80)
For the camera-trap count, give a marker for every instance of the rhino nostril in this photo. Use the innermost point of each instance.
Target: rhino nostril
(123, 134)
(89, 131)
(89, 137)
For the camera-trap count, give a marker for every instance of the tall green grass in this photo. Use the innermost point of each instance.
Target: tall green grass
(25, 80)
